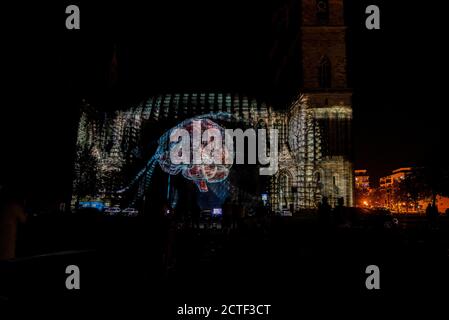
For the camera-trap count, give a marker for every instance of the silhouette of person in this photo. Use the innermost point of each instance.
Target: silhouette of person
(324, 210)
(339, 212)
(227, 215)
(169, 238)
(12, 212)
(432, 214)
(429, 211)
(196, 214)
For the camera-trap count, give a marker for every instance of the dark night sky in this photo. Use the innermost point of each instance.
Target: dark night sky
(396, 74)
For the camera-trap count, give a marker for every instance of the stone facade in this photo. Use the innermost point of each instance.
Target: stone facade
(318, 161)
(315, 131)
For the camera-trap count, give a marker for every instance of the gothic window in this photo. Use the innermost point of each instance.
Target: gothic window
(262, 125)
(281, 132)
(335, 183)
(324, 72)
(319, 179)
(285, 188)
(322, 11)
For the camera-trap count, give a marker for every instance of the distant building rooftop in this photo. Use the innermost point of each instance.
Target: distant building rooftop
(405, 169)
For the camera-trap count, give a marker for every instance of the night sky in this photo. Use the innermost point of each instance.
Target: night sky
(397, 74)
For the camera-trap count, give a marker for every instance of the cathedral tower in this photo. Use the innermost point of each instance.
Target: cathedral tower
(324, 86)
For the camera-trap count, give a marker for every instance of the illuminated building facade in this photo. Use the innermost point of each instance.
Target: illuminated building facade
(314, 131)
(389, 186)
(361, 180)
(391, 181)
(327, 170)
(362, 188)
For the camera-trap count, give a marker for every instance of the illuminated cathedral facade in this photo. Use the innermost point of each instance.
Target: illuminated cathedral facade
(314, 130)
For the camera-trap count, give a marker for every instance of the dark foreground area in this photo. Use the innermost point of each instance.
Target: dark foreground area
(291, 263)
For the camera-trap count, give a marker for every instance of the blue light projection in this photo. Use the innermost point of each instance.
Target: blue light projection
(209, 178)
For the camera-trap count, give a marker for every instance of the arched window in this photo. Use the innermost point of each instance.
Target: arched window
(285, 189)
(324, 72)
(322, 11)
(281, 133)
(336, 183)
(319, 178)
(261, 124)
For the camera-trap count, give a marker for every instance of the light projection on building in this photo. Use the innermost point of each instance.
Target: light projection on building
(119, 153)
(202, 173)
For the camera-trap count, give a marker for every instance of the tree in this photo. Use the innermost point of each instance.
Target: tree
(412, 188)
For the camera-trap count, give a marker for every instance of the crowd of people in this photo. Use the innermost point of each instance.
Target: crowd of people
(338, 215)
(12, 214)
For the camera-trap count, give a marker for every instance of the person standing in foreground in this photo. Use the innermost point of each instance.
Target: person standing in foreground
(12, 212)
